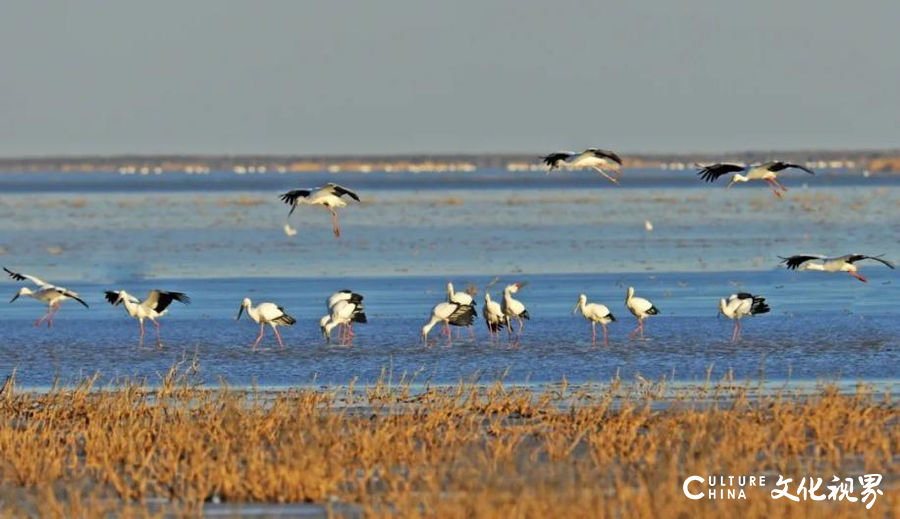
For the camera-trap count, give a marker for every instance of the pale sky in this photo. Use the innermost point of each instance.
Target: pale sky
(364, 76)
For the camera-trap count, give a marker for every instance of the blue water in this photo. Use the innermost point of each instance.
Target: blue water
(404, 243)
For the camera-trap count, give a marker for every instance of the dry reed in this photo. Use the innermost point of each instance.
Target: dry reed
(392, 450)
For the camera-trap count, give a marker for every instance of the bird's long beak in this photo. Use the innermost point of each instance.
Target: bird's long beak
(240, 312)
(859, 277)
(729, 184)
(522, 284)
(576, 307)
(14, 297)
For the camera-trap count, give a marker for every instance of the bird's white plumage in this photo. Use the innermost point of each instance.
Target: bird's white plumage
(735, 307)
(458, 297)
(493, 313)
(638, 306)
(511, 306)
(595, 312)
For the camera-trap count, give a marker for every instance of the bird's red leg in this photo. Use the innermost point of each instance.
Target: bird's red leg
(141, 342)
(614, 181)
(472, 332)
(53, 315)
(634, 332)
(857, 276)
(39, 321)
(335, 225)
(605, 341)
(779, 184)
(259, 337)
(734, 331)
(774, 189)
(278, 336)
(642, 329)
(593, 332)
(158, 338)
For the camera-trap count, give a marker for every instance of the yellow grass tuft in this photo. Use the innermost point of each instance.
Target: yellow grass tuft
(393, 449)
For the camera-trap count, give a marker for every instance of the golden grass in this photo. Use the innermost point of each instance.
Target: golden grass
(464, 451)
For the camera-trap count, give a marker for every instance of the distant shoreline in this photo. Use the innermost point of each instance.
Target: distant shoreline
(869, 160)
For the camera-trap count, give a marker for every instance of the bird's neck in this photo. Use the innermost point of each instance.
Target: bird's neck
(130, 305)
(330, 326)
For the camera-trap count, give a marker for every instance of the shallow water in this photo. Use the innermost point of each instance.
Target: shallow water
(220, 244)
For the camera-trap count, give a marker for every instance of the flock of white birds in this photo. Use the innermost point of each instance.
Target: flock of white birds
(345, 307)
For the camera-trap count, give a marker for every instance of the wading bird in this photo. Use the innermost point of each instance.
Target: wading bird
(595, 313)
(767, 171)
(845, 263)
(328, 196)
(344, 312)
(46, 293)
(335, 298)
(640, 308)
(463, 298)
(450, 314)
(493, 315)
(595, 158)
(263, 314)
(155, 306)
(737, 306)
(513, 308)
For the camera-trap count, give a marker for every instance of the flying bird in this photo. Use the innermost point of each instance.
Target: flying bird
(329, 196)
(640, 308)
(595, 158)
(845, 263)
(155, 306)
(46, 293)
(740, 305)
(595, 313)
(263, 314)
(767, 172)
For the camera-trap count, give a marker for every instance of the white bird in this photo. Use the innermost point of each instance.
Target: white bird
(263, 314)
(46, 293)
(155, 306)
(344, 312)
(328, 196)
(342, 295)
(289, 231)
(494, 317)
(640, 308)
(463, 298)
(513, 308)
(595, 313)
(767, 171)
(739, 305)
(595, 158)
(449, 313)
(845, 263)
(333, 299)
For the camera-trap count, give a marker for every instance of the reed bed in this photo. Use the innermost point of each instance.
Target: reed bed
(396, 450)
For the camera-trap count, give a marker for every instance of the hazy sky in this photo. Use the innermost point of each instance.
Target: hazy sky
(365, 76)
